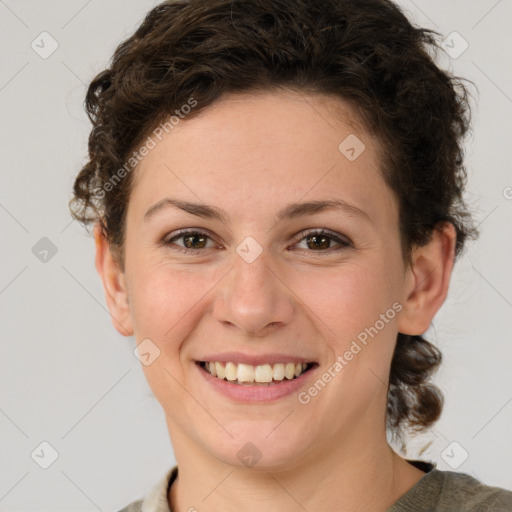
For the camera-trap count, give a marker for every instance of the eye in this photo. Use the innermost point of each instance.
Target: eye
(320, 240)
(192, 241)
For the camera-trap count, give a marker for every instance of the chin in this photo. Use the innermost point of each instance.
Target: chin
(256, 449)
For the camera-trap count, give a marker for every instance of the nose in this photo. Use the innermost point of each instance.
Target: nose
(254, 298)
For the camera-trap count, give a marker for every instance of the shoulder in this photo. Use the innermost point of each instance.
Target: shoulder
(447, 491)
(135, 506)
(156, 499)
(472, 494)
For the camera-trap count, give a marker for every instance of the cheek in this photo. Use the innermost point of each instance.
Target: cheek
(346, 300)
(347, 308)
(165, 300)
(167, 304)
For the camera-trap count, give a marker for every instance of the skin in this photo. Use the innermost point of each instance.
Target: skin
(251, 155)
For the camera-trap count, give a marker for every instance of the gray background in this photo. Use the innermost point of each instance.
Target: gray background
(68, 378)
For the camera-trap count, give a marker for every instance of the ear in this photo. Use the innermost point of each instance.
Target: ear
(114, 284)
(428, 279)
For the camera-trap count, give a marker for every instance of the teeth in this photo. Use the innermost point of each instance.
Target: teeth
(219, 370)
(289, 370)
(231, 371)
(247, 373)
(278, 371)
(263, 373)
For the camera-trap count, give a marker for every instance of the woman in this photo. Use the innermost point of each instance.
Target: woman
(276, 189)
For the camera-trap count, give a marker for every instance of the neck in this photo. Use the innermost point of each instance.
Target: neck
(362, 474)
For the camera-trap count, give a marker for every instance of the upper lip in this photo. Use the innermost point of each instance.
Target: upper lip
(254, 359)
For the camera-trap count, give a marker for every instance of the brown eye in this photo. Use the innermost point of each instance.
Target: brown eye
(318, 242)
(322, 241)
(189, 241)
(195, 241)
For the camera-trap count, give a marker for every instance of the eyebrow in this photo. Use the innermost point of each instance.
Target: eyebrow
(290, 211)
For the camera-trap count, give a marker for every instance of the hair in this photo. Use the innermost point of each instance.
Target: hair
(364, 52)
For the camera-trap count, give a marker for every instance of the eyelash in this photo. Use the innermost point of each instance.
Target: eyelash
(343, 244)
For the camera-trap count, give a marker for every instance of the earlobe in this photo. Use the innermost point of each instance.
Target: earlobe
(428, 280)
(114, 284)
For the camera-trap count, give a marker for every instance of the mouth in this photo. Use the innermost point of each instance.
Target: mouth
(255, 375)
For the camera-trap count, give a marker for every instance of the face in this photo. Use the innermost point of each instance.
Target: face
(265, 281)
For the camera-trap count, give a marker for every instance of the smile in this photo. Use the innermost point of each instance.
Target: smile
(250, 375)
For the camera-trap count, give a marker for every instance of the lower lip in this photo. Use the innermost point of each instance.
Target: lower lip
(256, 393)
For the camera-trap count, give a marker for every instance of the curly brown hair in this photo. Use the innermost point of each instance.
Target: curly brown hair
(365, 52)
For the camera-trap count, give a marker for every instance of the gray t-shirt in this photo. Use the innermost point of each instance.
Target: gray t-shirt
(447, 491)
(437, 491)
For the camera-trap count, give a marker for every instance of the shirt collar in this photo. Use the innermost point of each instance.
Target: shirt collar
(156, 499)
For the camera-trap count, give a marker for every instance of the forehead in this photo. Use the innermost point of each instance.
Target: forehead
(265, 149)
